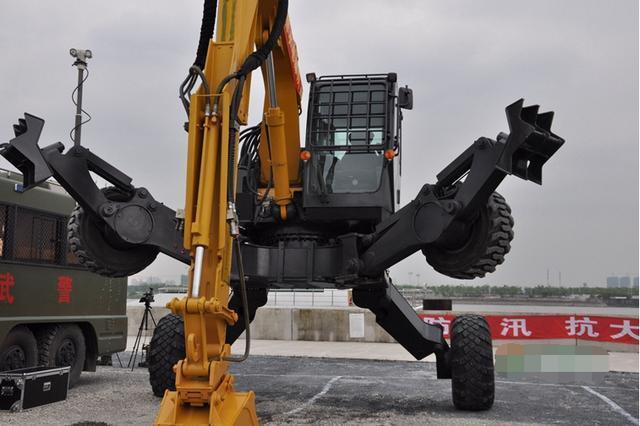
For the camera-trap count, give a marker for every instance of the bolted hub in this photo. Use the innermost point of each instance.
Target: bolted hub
(134, 224)
(66, 354)
(13, 359)
(108, 210)
(103, 252)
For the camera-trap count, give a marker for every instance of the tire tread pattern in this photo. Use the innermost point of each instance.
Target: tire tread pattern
(472, 382)
(165, 350)
(498, 244)
(83, 253)
(46, 337)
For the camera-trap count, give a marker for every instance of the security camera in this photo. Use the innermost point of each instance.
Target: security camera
(81, 54)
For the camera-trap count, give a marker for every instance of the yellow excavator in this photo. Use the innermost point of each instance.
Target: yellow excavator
(261, 212)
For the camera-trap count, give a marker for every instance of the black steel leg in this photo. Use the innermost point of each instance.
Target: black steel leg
(395, 315)
(256, 297)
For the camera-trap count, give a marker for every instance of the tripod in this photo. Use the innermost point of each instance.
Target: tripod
(147, 298)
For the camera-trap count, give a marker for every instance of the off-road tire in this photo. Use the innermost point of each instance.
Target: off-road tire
(88, 242)
(472, 372)
(60, 346)
(488, 243)
(19, 349)
(165, 350)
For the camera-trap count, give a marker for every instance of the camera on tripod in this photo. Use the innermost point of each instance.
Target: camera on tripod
(147, 297)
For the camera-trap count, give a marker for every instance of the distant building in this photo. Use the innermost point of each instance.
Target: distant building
(184, 280)
(622, 282)
(625, 282)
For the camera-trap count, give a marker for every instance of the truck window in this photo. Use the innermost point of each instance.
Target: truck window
(36, 237)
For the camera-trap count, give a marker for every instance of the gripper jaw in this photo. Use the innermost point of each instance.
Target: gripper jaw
(20, 128)
(23, 151)
(530, 142)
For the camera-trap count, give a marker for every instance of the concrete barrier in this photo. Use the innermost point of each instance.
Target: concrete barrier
(338, 325)
(134, 318)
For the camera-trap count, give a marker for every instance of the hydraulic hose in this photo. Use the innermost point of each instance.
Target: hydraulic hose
(233, 131)
(245, 308)
(256, 59)
(206, 32)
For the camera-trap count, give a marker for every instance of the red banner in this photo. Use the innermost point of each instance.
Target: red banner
(585, 327)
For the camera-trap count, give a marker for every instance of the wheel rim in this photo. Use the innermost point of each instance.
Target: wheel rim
(13, 359)
(66, 354)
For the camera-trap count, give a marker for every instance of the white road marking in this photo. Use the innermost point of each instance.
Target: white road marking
(406, 378)
(315, 397)
(141, 372)
(618, 409)
(555, 385)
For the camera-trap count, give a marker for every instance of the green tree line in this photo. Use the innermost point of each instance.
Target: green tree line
(537, 291)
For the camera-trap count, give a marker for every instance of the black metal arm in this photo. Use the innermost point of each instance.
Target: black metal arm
(439, 213)
(140, 220)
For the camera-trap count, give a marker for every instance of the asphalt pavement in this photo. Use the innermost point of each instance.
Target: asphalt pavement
(302, 390)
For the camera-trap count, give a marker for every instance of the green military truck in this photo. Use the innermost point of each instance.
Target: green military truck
(53, 311)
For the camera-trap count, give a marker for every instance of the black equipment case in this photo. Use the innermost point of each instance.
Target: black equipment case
(31, 387)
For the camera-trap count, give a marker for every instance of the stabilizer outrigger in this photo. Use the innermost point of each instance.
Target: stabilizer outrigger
(127, 217)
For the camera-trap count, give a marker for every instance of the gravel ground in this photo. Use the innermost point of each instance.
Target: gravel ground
(289, 390)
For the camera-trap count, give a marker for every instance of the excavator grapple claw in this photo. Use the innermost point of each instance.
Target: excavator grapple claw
(530, 142)
(23, 151)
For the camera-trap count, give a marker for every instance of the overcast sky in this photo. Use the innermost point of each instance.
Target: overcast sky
(464, 60)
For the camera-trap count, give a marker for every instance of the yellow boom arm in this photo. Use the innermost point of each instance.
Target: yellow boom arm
(204, 387)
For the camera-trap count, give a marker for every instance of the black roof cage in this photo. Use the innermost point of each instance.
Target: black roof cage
(351, 112)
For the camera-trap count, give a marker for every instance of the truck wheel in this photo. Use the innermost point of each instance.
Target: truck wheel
(19, 349)
(165, 350)
(61, 346)
(472, 374)
(90, 241)
(488, 243)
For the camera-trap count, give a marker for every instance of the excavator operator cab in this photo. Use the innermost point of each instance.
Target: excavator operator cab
(353, 137)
